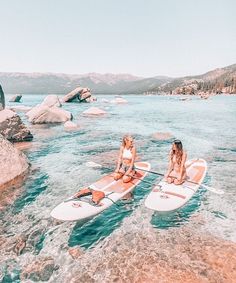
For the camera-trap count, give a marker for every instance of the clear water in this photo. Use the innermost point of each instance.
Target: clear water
(207, 130)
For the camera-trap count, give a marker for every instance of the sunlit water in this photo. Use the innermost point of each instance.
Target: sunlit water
(58, 157)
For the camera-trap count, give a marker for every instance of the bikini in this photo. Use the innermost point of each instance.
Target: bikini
(127, 154)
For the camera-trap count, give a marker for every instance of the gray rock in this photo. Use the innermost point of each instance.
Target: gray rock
(16, 98)
(13, 163)
(2, 99)
(12, 128)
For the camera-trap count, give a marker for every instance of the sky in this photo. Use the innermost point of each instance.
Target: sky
(142, 37)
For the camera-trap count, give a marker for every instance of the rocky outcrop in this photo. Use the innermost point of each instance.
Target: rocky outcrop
(13, 163)
(42, 114)
(16, 98)
(51, 100)
(2, 99)
(39, 270)
(79, 94)
(94, 111)
(12, 128)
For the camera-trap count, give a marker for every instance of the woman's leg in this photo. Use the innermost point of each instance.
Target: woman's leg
(118, 175)
(128, 178)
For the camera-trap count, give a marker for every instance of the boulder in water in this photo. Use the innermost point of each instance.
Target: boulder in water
(94, 111)
(16, 98)
(51, 100)
(69, 125)
(79, 94)
(13, 163)
(119, 100)
(12, 128)
(41, 114)
(162, 136)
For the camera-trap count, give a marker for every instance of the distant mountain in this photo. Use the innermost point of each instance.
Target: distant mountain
(218, 80)
(63, 83)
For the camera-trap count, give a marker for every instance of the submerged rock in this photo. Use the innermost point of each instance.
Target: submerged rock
(39, 270)
(69, 125)
(12, 128)
(16, 98)
(119, 100)
(13, 163)
(75, 252)
(41, 114)
(94, 111)
(162, 136)
(51, 100)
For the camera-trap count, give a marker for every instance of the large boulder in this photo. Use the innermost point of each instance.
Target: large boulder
(94, 111)
(79, 94)
(15, 98)
(2, 99)
(13, 163)
(42, 114)
(12, 128)
(51, 100)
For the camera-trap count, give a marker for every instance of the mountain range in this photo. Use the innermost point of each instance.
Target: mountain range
(56, 83)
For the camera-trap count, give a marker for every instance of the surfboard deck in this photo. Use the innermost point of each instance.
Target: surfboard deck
(72, 210)
(168, 197)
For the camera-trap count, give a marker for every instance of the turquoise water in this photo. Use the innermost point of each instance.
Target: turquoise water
(206, 128)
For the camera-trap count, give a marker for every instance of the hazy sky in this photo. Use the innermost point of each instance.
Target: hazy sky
(141, 37)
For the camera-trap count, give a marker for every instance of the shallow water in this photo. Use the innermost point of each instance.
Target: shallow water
(206, 128)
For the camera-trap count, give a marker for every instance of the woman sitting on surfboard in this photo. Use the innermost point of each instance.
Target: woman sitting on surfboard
(125, 164)
(176, 172)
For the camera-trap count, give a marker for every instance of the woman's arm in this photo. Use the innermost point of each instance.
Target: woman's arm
(182, 166)
(132, 161)
(119, 160)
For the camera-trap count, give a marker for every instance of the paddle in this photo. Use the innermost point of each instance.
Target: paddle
(214, 190)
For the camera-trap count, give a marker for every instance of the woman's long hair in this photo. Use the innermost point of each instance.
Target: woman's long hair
(125, 138)
(178, 152)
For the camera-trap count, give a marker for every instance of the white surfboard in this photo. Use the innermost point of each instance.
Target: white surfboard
(78, 209)
(168, 197)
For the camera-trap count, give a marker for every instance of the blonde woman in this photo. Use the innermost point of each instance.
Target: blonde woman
(176, 171)
(125, 164)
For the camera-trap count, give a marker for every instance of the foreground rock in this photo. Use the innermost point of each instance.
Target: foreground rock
(16, 98)
(12, 128)
(94, 111)
(39, 270)
(51, 100)
(13, 163)
(79, 94)
(20, 108)
(42, 114)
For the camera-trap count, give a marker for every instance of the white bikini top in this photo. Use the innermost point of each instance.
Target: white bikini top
(127, 154)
